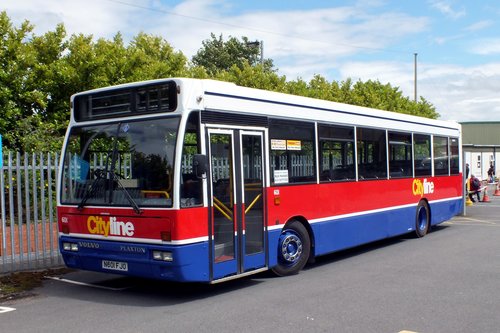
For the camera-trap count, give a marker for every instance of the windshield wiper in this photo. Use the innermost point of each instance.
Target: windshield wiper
(93, 188)
(114, 177)
(100, 175)
(133, 203)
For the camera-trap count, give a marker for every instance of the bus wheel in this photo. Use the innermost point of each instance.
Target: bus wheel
(294, 247)
(422, 219)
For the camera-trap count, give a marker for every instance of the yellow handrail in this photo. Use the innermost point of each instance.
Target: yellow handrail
(165, 193)
(253, 202)
(222, 211)
(220, 203)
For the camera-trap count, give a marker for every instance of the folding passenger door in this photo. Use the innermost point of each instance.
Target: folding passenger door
(237, 204)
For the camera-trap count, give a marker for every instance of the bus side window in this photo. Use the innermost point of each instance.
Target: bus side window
(400, 155)
(422, 151)
(441, 155)
(336, 144)
(191, 186)
(292, 151)
(372, 156)
(191, 189)
(454, 157)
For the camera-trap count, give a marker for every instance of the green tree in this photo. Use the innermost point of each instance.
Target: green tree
(49, 78)
(152, 57)
(16, 61)
(110, 62)
(252, 77)
(217, 55)
(320, 88)
(385, 97)
(38, 74)
(372, 94)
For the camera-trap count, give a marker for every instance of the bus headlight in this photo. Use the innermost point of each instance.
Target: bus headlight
(162, 256)
(70, 246)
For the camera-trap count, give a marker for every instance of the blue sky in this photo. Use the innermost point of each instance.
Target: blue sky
(458, 42)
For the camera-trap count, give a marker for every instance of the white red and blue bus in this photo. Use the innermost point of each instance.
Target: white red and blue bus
(200, 180)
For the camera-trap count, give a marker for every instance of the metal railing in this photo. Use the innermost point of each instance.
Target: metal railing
(28, 226)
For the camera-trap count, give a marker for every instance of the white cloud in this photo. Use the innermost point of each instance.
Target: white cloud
(446, 8)
(479, 25)
(457, 92)
(486, 46)
(99, 18)
(328, 34)
(463, 93)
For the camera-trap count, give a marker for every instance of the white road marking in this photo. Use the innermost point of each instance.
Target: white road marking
(471, 221)
(4, 309)
(85, 284)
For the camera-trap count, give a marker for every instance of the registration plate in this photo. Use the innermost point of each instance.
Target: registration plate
(115, 265)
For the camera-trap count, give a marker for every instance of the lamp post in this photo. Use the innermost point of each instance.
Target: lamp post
(260, 45)
(415, 88)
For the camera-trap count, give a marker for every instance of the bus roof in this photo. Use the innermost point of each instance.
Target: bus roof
(222, 96)
(225, 96)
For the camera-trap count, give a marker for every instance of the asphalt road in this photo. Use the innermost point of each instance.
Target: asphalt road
(448, 281)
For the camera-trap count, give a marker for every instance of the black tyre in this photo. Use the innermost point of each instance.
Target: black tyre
(422, 219)
(294, 247)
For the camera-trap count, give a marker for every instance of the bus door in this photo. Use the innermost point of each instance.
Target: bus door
(237, 201)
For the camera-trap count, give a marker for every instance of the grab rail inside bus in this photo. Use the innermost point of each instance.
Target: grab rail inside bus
(253, 203)
(165, 193)
(221, 207)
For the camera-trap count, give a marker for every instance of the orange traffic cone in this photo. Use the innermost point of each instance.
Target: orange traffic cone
(486, 198)
(497, 191)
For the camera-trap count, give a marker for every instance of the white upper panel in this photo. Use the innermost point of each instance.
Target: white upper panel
(224, 96)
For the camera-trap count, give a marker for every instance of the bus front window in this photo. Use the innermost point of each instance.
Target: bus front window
(120, 164)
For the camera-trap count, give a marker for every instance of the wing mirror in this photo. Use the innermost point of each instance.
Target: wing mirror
(200, 165)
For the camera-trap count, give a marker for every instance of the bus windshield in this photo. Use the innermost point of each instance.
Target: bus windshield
(127, 163)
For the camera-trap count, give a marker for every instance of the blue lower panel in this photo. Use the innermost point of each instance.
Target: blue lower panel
(189, 261)
(257, 257)
(225, 268)
(443, 211)
(339, 234)
(352, 231)
(254, 261)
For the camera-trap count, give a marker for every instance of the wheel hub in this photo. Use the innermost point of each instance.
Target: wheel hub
(291, 247)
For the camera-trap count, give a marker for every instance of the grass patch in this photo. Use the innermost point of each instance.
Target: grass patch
(21, 284)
